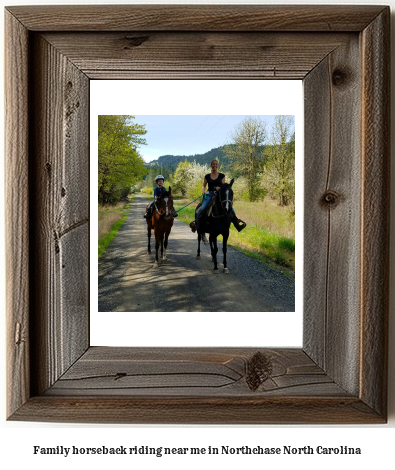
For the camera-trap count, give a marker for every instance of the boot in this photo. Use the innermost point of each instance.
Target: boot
(193, 226)
(147, 215)
(238, 224)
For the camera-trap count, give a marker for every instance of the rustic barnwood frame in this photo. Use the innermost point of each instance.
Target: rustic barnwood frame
(342, 55)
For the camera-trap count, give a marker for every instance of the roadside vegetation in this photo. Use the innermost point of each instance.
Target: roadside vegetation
(120, 167)
(111, 219)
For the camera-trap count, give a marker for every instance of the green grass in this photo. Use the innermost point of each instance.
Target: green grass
(110, 221)
(269, 235)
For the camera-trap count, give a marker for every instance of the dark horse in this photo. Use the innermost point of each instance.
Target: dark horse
(162, 222)
(216, 221)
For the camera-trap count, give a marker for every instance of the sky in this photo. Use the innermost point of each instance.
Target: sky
(188, 134)
(188, 117)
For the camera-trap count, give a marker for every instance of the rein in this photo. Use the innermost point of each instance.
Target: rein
(189, 203)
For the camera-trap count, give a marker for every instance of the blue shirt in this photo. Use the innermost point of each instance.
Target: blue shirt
(157, 190)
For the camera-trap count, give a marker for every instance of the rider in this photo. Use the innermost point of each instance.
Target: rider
(157, 192)
(214, 180)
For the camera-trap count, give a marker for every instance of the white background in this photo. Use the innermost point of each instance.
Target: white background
(17, 439)
(208, 97)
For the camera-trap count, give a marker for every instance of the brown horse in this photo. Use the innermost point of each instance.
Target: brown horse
(162, 222)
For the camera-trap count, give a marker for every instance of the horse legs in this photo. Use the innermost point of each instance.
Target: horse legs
(156, 250)
(214, 254)
(199, 240)
(165, 246)
(149, 239)
(211, 248)
(224, 250)
(161, 244)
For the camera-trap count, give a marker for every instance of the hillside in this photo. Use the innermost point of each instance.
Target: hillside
(205, 158)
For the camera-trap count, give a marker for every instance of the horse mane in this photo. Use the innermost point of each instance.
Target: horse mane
(226, 185)
(164, 193)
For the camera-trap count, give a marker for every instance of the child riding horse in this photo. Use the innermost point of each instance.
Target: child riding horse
(157, 191)
(161, 221)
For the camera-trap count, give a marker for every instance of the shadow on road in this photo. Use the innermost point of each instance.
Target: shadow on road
(129, 283)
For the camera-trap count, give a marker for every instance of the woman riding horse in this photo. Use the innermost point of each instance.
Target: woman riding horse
(214, 180)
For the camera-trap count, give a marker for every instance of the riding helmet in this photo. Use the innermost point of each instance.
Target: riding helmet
(160, 177)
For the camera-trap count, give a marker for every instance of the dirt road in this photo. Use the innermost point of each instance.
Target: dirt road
(129, 283)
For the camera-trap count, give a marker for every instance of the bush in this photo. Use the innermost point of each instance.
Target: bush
(148, 190)
(240, 190)
(195, 189)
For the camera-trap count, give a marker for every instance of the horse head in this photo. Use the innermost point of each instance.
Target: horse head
(165, 203)
(226, 196)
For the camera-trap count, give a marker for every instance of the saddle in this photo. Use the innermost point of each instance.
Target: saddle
(210, 205)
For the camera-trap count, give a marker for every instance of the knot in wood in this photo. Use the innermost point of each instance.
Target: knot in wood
(135, 41)
(339, 77)
(259, 369)
(330, 199)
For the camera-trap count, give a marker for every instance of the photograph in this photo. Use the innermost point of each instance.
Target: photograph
(194, 194)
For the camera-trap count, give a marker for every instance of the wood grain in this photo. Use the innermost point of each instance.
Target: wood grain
(60, 123)
(332, 205)
(375, 212)
(196, 17)
(198, 410)
(196, 55)
(123, 385)
(17, 213)
(339, 376)
(208, 372)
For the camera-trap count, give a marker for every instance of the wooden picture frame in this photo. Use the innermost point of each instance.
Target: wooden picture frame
(340, 374)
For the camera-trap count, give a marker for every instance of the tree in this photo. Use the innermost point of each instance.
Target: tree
(181, 177)
(195, 176)
(155, 170)
(279, 175)
(189, 177)
(119, 162)
(246, 152)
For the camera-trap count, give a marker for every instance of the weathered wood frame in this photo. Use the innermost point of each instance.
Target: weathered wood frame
(340, 374)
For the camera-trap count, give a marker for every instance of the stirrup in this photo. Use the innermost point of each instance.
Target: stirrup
(240, 225)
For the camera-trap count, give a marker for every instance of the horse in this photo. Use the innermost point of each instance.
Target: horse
(162, 222)
(216, 222)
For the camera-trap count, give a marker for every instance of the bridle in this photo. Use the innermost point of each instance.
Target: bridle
(223, 202)
(166, 212)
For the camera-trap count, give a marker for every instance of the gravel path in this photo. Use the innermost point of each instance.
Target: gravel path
(129, 283)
